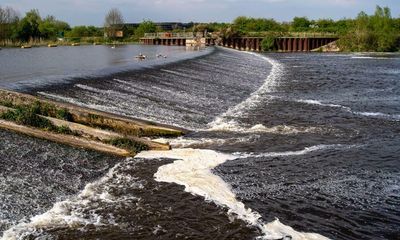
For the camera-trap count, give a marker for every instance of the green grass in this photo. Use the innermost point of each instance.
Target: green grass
(128, 144)
(6, 103)
(39, 108)
(29, 116)
(94, 116)
(64, 114)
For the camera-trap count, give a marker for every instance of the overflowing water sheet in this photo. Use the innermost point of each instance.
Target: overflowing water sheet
(309, 139)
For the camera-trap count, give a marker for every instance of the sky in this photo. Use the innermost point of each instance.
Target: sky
(92, 12)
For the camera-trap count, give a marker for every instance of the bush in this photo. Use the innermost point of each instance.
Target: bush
(64, 130)
(6, 103)
(128, 144)
(28, 116)
(268, 43)
(64, 114)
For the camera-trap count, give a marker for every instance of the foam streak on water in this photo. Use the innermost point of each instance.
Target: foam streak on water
(71, 213)
(193, 170)
(366, 114)
(222, 122)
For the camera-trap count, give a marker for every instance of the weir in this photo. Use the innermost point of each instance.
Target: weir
(306, 43)
(176, 39)
(79, 127)
(281, 44)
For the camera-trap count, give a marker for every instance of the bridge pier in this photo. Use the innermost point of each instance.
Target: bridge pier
(243, 44)
(282, 44)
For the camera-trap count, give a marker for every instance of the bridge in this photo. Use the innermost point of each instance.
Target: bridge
(281, 44)
(168, 38)
(293, 42)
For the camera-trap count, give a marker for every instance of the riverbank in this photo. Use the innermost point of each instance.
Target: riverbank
(79, 127)
(65, 44)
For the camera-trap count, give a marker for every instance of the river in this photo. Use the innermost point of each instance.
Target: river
(289, 144)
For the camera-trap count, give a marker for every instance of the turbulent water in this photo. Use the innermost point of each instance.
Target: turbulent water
(309, 139)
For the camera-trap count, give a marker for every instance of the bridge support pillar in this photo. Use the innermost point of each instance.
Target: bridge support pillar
(301, 44)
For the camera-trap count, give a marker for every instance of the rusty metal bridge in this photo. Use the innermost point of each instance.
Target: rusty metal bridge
(294, 42)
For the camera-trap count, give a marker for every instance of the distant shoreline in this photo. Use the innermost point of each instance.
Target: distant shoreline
(66, 44)
(69, 44)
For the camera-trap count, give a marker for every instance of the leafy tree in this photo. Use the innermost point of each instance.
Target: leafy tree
(301, 24)
(93, 31)
(244, 24)
(269, 43)
(28, 27)
(372, 33)
(385, 34)
(146, 26)
(230, 32)
(84, 31)
(325, 25)
(343, 26)
(51, 28)
(215, 27)
(48, 28)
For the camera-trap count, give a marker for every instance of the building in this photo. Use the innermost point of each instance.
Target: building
(165, 26)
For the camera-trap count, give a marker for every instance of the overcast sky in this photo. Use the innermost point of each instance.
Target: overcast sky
(92, 12)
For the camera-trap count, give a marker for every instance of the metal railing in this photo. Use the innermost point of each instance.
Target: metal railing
(170, 35)
(292, 34)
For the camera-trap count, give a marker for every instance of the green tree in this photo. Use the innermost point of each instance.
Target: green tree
(48, 28)
(51, 28)
(376, 32)
(385, 34)
(84, 31)
(28, 27)
(146, 26)
(245, 25)
(93, 31)
(269, 43)
(301, 24)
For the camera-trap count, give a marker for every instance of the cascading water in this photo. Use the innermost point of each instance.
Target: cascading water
(309, 139)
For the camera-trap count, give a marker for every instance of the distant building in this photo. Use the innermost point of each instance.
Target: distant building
(165, 26)
(121, 29)
(119, 34)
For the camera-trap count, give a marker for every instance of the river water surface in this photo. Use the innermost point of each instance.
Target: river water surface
(309, 139)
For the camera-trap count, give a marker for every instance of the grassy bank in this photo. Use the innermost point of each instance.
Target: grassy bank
(78, 126)
(64, 43)
(92, 118)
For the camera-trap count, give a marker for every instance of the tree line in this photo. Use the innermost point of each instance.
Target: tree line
(377, 32)
(32, 28)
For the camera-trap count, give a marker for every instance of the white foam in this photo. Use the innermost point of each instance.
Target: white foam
(181, 142)
(362, 57)
(293, 153)
(233, 126)
(72, 213)
(379, 114)
(367, 114)
(193, 170)
(316, 102)
(111, 109)
(368, 57)
(96, 90)
(255, 98)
